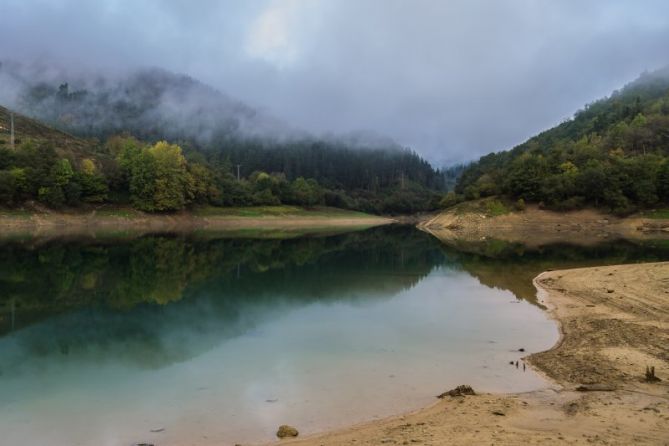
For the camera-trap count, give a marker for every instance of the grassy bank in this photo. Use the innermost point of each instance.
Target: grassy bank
(251, 220)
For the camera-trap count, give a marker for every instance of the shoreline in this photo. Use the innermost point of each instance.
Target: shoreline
(60, 224)
(603, 349)
(536, 227)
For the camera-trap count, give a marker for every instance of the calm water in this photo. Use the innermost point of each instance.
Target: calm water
(213, 340)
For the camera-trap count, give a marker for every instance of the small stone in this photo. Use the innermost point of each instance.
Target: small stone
(286, 431)
(499, 413)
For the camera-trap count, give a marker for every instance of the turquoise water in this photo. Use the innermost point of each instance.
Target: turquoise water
(207, 340)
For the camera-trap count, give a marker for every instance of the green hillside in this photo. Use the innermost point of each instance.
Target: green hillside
(59, 170)
(613, 154)
(34, 132)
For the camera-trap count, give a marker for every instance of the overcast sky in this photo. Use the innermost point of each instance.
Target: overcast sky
(452, 79)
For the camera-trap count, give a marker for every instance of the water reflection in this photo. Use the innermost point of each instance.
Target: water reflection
(143, 301)
(198, 332)
(512, 266)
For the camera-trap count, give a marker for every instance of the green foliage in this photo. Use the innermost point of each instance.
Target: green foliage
(449, 200)
(51, 195)
(612, 155)
(173, 185)
(158, 177)
(306, 192)
(495, 208)
(7, 187)
(35, 171)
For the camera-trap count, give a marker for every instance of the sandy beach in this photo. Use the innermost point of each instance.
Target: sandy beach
(614, 322)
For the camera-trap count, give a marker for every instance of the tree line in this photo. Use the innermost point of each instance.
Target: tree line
(164, 177)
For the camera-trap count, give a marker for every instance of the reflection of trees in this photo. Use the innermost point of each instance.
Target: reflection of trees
(156, 300)
(512, 266)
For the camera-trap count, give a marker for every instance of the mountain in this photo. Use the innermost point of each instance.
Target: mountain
(150, 104)
(613, 154)
(216, 136)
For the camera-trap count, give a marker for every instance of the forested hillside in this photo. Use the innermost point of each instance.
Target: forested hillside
(210, 139)
(614, 154)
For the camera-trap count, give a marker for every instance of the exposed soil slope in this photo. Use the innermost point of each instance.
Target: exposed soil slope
(535, 227)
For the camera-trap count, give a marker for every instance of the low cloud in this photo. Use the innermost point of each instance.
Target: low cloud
(454, 79)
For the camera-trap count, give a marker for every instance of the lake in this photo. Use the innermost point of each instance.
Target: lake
(213, 339)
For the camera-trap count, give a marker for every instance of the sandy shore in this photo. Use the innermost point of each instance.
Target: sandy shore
(614, 322)
(537, 227)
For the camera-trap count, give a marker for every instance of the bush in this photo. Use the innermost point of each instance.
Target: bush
(495, 208)
(449, 200)
(52, 196)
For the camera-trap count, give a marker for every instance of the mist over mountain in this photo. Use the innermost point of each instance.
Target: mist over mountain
(148, 103)
(228, 153)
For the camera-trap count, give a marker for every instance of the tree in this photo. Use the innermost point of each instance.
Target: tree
(7, 187)
(663, 182)
(173, 183)
(306, 192)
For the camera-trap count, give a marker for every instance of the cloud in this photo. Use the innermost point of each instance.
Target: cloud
(453, 79)
(270, 35)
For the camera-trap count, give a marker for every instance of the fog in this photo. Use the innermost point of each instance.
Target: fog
(453, 80)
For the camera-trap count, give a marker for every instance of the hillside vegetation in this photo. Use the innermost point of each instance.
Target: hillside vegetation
(215, 136)
(614, 154)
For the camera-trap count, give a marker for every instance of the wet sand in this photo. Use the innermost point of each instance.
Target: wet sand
(614, 322)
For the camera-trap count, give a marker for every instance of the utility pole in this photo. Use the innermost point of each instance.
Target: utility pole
(238, 166)
(11, 130)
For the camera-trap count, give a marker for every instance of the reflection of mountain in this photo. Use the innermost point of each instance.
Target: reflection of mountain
(156, 300)
(512, 266)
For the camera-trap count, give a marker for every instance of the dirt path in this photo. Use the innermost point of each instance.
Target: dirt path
(615, 322)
